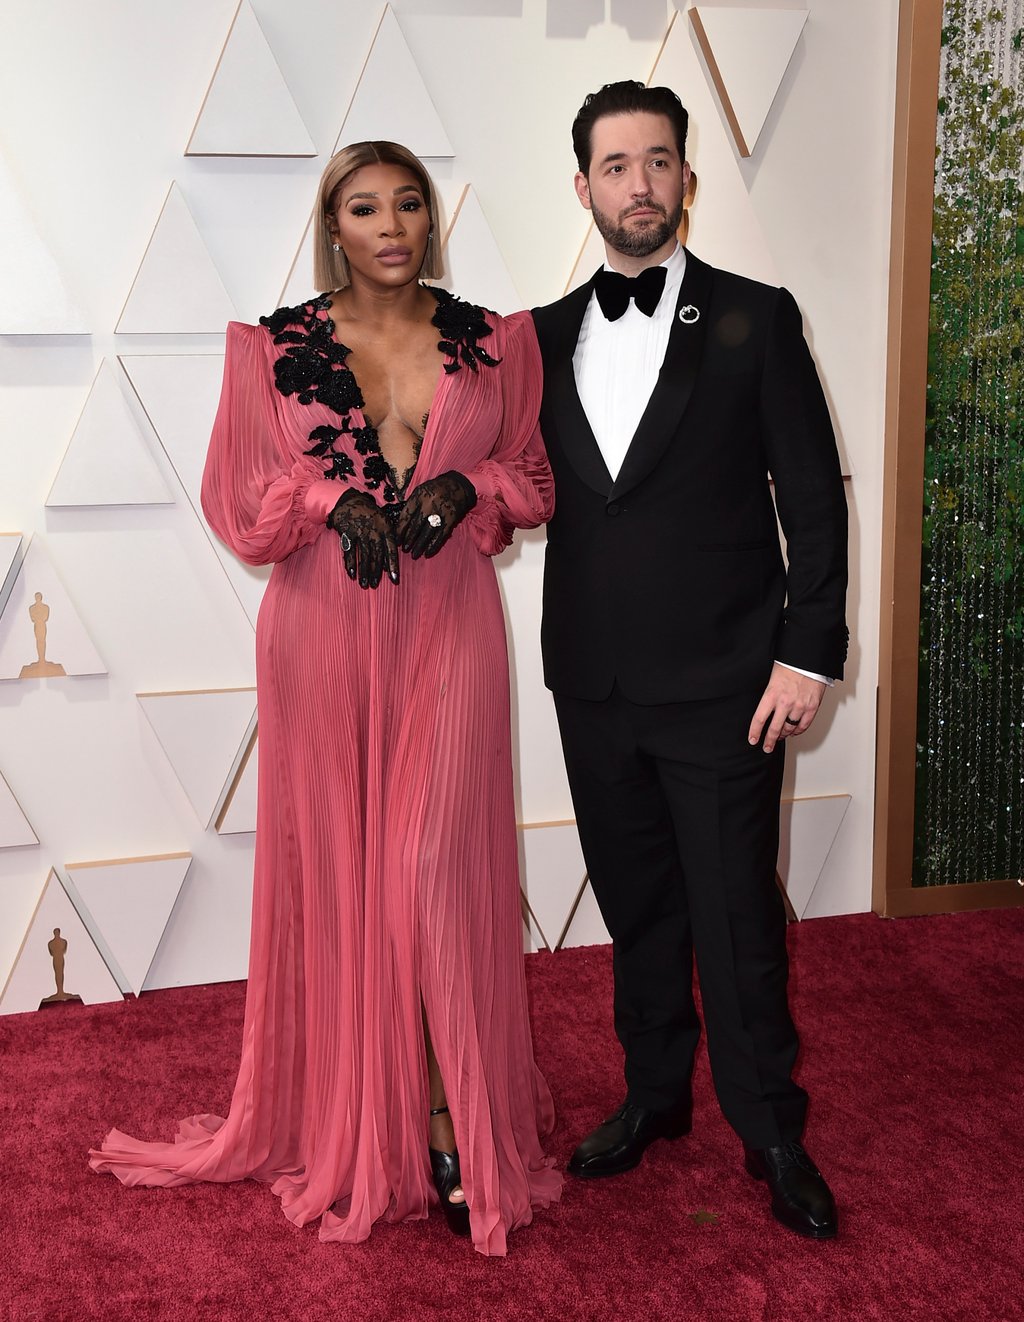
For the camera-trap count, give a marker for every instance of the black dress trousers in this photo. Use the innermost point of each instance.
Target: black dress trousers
(679, 820)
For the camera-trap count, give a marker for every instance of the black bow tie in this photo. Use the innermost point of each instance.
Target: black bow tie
(614, 291)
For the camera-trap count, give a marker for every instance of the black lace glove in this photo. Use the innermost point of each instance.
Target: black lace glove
(367, 535)
(432, 513)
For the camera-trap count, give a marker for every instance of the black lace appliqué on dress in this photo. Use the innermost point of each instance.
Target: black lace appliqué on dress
(314, 367)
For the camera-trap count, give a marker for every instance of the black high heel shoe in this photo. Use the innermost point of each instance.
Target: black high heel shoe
(444, 1167)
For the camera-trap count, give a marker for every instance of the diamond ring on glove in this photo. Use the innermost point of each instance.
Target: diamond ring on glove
(434, 520)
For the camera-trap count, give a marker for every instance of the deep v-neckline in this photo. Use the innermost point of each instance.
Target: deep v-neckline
(442, 376)
(313, 368)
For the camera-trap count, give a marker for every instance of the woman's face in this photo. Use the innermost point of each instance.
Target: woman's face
(382, 224)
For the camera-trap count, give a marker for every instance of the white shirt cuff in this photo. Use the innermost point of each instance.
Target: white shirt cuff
(822, 679)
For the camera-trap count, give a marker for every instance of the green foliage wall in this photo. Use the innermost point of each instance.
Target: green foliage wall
(969, 821)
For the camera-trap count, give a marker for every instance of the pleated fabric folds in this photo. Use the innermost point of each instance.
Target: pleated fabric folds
(386, 875)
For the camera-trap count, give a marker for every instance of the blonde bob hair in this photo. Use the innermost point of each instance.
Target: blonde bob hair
(330, 268)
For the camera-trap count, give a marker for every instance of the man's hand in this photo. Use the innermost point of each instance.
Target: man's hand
(791, 700)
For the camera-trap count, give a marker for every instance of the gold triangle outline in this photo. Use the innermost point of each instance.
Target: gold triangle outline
(718, 81)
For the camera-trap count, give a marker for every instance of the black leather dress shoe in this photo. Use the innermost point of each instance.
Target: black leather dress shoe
(801, 1199)
(619, 1143)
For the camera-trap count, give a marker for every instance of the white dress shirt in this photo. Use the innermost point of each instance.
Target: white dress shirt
(616, 366)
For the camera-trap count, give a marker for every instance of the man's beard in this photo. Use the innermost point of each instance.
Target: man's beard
(638, 241)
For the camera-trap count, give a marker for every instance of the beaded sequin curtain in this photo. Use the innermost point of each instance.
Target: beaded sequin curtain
(969, 820)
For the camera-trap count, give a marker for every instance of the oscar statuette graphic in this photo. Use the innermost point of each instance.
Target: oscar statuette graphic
(58, 949)
(39, 614)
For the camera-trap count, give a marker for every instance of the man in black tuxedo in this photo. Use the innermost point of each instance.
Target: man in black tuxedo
(681, 647)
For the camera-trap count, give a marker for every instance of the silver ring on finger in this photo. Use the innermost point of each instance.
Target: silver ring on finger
(434, 520)
(346, 542)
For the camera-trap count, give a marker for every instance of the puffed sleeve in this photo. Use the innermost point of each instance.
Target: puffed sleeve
(261, 495)
(514, 486)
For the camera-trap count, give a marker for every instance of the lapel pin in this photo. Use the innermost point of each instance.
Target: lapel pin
(689, 314)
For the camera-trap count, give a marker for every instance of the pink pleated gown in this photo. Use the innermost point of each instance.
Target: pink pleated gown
(386, 874)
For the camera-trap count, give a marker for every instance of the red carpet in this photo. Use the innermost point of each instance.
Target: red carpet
(912, 1033)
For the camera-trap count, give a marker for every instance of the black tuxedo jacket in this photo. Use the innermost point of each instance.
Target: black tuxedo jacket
(670, 579)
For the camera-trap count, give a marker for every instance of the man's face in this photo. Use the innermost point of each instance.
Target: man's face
(636, 184)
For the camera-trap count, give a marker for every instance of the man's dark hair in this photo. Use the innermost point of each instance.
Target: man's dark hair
(626, 98)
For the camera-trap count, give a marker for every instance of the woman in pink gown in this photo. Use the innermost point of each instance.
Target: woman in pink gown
(379, 444)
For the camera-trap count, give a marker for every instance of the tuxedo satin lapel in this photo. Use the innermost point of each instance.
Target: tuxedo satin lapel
(675, 382)
(574, 432)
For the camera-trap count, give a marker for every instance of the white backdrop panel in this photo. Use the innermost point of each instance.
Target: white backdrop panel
(406, 114)
(473, 260)
(751, 49)
(34, 977)
(34, 299)
(108, 460)
(204, 735)
(39, 600)
(248, 109)
(129, 900)
(91, 779)
(180, 393)
(177, 288)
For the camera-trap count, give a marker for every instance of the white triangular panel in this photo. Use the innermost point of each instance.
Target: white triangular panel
(180, 393)
(586, 927)
(33, 297)
(591, 259)
(108, 460)
(808, 828)
(298, 286)
(67, 647)
(248, 109)
(723, 227)
(405, 114)
(10, 545)
(474, 266)
(552, 873)
(129, 900)
(204, 734)
(177, 288)
(748, 52)
(238, 814)
(15, 828)
(33, 978)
